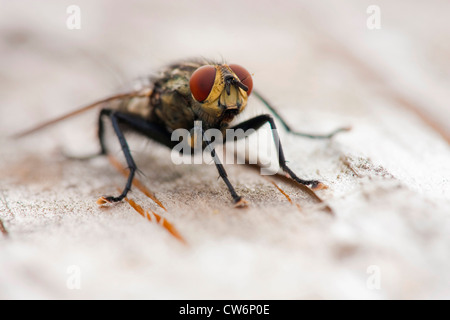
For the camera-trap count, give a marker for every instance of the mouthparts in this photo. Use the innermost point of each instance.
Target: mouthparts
(229, 114)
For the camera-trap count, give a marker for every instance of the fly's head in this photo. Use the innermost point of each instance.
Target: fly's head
(221, 92)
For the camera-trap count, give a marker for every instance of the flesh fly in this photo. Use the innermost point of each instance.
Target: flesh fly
(183, 93)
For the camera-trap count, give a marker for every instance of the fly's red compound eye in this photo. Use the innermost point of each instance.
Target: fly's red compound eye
(201, 82)
(243, 75)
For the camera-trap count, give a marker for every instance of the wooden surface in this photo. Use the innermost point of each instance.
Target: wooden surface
(380, 231)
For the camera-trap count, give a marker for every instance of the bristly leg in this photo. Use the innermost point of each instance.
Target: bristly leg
(114, 117)
(256, 123)
(238, 200)
(134, 123)
(289, 129)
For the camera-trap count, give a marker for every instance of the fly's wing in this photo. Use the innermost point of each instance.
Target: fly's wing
(129, 95)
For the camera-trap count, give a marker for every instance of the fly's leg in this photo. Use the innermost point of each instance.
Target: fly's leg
(238, 200)
(256, 123)
(135, 123)
(101, 131)
(158, 134)
(125, 149)
(101, 138)
(289, 129)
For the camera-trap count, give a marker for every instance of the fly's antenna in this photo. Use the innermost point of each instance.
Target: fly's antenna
(230, 80)
(241, 85)
(79, 111)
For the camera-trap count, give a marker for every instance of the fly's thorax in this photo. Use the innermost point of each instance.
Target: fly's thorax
(171, 100)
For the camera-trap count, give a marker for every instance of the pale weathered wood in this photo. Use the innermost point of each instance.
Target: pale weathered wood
(380, 231)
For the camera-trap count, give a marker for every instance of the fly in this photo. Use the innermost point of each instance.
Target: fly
(184, 93)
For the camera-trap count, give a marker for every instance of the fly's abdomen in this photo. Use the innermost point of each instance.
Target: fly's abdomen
(138, 104)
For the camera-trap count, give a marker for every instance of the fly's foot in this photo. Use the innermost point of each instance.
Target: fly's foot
(240, 203)
(108, 199)
(317, 185)
(314, 184)
(101, 201)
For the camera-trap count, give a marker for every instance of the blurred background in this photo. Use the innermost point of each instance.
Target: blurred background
(297, 51)
(381, 67)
